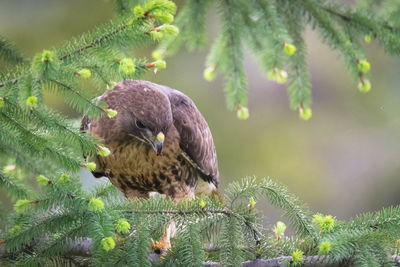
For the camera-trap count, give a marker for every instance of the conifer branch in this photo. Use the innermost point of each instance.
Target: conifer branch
(94, 43)
(9, 52)
(228, 213)
(69, 88)
(349, 18)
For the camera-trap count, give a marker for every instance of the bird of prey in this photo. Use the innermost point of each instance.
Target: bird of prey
(159, 142)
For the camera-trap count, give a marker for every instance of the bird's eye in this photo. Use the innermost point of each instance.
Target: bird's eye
(140, 125)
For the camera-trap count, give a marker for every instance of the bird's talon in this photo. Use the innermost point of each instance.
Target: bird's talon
(161, 247)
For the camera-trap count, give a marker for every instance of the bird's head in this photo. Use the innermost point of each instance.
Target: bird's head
(149, 115)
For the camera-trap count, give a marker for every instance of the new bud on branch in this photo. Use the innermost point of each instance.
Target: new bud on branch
(209, 73)
(122, 226)
(363, 66)
(297, 257)
(279, 229)
(289, 49)
(111, 113)
(96, 204)
(91, 166)
(277, 75)
(84, 73)
(42, 180)
(242, 113)
(108, 243)
(22, 205)
(364, 86)
(103, 151)
(305, 113)
(32, 101)
(324, 248)
(126, 66)
(64, 177)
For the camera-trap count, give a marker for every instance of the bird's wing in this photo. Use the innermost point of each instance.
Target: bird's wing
(195, 136)
(99, 171)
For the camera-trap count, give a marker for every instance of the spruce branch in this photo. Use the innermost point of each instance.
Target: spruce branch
(95, 42)
(85, 47)
(69, 88)
(8, 51)
(226, 212)
(13, 188)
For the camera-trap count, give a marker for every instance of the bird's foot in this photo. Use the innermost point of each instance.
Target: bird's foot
(161, 247)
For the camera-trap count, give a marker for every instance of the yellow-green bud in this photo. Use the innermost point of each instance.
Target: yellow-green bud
(47, 56)
(277, 75)
(42, 180)
(289, 49)
(364, 86)
(252, 202)
(21, 205)
(103, 151)
(160, 64)
(9, 168)
(85, 73)
(91, 166)
(367, 38)
(281, 76)
(297, 257)
(170, 6)
(209, 73)
(317, 218)
(32, 101)
(64, 177)
(156, 35)
(111, 113)
(324, 248)
(1, 102)
(168, 29)
(305, 113)
(15, 229)
(242, 113)
(324, 223)
(203, 204)
(271, 75)
(279, 229)
(127, 66)
(95, 204)
(122, 226)
(157, 54)
(108, 243)
(364, 66)
(328, 223)
(164, 17)
(138, 12)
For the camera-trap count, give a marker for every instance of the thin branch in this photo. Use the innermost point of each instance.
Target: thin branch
(79, 50)
(229, 213)
(77, 93)
(95, 42)
(348, 18)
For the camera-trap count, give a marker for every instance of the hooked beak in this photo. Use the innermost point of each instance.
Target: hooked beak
(158, 143)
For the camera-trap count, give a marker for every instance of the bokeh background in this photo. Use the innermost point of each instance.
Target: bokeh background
(343, 161)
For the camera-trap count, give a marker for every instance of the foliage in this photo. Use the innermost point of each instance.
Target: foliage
(274, 32)
(36, 142)
(45, 228)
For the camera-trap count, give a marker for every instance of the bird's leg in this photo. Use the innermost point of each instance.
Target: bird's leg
(170, 231)
(164, 244)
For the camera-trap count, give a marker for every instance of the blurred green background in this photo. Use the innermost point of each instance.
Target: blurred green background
(344, 161)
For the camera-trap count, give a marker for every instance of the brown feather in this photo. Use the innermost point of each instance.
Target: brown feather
(133, 166)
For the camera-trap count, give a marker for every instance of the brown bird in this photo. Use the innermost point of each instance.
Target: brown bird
(159, 142)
